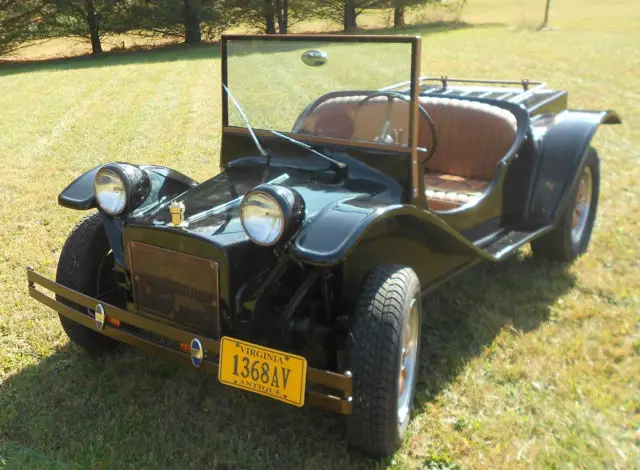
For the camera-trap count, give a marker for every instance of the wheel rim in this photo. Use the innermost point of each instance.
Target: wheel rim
(582, 207)
(408, 363)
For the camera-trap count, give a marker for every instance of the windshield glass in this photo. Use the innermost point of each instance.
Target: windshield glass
(320, 87)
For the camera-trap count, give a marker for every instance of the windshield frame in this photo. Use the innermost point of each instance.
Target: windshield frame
(414, 91)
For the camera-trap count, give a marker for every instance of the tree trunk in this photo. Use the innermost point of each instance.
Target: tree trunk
(282, 12)
(93, 22)
(349, 22)
(545, 23)
(269, 17)
(398, 17)
(192, 34)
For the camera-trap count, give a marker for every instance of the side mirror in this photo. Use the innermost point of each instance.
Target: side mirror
(315, 58)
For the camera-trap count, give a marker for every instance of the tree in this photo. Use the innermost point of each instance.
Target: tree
(86, 19)
(398, 14)
(269, 17)
(282, 12)
(346, 12)
(20, 21)
(272, 16)
(400, 7)
(545, 23)
(187, 19)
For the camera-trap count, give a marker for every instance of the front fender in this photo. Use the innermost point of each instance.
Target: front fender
(563, 151)
(333, 234)
(79, 194)
(165, 182)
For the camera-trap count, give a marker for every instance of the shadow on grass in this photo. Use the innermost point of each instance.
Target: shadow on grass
(465, 316)
(131, 410)
(181, 52)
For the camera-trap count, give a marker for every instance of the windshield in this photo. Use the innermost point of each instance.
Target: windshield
(321, 87)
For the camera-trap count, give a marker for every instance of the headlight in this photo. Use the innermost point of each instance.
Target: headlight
(270, 212)
(120, 187)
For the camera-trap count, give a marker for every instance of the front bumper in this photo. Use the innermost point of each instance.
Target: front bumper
(339, 401)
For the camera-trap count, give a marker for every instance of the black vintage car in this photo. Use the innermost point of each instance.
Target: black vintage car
(298, 272)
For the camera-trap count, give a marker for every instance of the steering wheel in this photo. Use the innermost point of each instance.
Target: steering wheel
(384, 129)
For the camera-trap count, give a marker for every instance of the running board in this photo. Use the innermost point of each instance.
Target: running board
(511, 240)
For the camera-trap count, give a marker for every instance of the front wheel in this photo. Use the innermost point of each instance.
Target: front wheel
(383, 353)
(570, 238)
(86, 265)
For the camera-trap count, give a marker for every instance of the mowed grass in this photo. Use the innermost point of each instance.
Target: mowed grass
(524, 365)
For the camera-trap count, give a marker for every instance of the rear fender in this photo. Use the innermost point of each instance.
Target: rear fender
(563, 152)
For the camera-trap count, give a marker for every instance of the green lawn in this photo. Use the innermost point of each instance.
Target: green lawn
(524, 365)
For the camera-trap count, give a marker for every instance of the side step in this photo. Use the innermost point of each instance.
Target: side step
(507, 243)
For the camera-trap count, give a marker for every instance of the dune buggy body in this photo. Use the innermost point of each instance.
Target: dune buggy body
(429, 175)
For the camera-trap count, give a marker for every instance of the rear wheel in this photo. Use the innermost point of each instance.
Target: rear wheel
(384, 347)
(86, 265)
(572, 235)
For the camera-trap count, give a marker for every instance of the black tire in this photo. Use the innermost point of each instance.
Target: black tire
(84, 261)
(375, 358)
(559, 245)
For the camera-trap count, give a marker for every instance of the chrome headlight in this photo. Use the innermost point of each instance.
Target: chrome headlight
(120, 187)
(269, 212)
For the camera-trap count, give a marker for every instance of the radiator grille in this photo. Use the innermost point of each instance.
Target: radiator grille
(176, 286)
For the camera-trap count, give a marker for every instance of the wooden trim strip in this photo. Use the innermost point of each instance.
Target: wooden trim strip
(330, 379)
(211, 345)
(328, 402)
(416, 186)
(120, 335)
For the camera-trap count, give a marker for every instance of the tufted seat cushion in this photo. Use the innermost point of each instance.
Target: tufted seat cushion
(472, 136)
(338, 117)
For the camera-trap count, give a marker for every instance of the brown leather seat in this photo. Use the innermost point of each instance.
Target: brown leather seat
(339, 118)
(472, 138)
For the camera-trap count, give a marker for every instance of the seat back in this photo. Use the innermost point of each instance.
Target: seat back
(472, 136)
(339, 117)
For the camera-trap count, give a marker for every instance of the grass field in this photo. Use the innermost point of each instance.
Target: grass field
(524, 365)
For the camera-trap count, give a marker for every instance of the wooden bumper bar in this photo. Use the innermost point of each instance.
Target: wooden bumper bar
(339, 382)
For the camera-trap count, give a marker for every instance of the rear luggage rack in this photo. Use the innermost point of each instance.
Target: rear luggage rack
(492, 89)
(531, 94)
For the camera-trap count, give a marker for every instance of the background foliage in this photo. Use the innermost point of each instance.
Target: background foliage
(189, 20)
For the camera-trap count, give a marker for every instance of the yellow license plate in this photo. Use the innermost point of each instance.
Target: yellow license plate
(261, 370)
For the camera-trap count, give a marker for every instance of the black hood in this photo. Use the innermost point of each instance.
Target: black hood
(212, 209)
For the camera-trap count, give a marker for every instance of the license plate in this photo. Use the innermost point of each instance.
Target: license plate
(268, 372)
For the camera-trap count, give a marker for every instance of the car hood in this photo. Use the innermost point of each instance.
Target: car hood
(212, 209)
